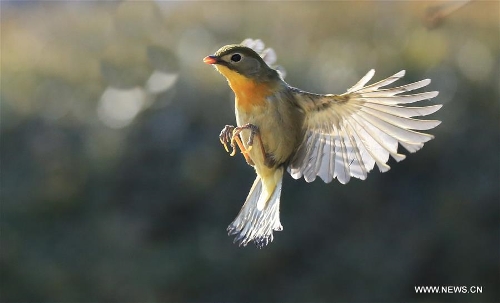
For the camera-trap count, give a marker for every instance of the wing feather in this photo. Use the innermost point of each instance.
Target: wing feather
(380, 144)
(362, 82)
(399, 133)
(402, 122)
(405, 112)
(309, 174)
(342, 171)
(324, 165)
(358, 168)
(403, 99)
(382, 83)
(319, 154)
(398, 90)
(346, 135)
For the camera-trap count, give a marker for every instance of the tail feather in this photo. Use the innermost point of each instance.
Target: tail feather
(255, 223)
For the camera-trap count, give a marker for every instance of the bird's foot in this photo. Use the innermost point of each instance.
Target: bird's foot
(254, 130)
(254, 133)
(226, 136)
(231, 135)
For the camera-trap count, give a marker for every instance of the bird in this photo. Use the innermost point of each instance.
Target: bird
(331, 136)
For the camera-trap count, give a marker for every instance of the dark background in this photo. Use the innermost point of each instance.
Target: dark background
(114, 186)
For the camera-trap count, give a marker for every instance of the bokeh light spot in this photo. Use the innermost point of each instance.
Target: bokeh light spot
(159, 82)
(475, 61)
(117, 108)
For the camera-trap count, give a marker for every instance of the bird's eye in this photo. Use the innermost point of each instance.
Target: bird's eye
(236, 57)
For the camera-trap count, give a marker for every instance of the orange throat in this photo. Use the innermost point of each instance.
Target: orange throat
(249, 93)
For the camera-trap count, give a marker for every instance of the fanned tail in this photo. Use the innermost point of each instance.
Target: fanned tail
(257, 220)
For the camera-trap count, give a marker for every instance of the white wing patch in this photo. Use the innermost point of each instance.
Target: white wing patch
(348, 134)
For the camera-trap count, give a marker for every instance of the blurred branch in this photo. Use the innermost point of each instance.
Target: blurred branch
(435, 15)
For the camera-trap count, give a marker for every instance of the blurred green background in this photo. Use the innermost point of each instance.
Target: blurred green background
(114, 186)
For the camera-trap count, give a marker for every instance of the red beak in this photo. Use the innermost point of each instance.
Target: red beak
(210, 59)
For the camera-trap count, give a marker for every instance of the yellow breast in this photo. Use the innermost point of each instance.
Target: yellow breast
(249, 93)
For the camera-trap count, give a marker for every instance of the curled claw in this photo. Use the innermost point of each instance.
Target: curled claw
(226, 136)
(233, 152)
(254, 131)
(224, 144)
(231, 135)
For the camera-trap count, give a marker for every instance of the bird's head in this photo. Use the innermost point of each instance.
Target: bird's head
(235, 61)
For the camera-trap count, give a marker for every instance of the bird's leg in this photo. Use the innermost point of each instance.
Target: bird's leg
(244, 151)
(254, 133)
(227, 136)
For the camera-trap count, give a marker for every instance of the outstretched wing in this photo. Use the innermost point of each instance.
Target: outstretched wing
(346, 135)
